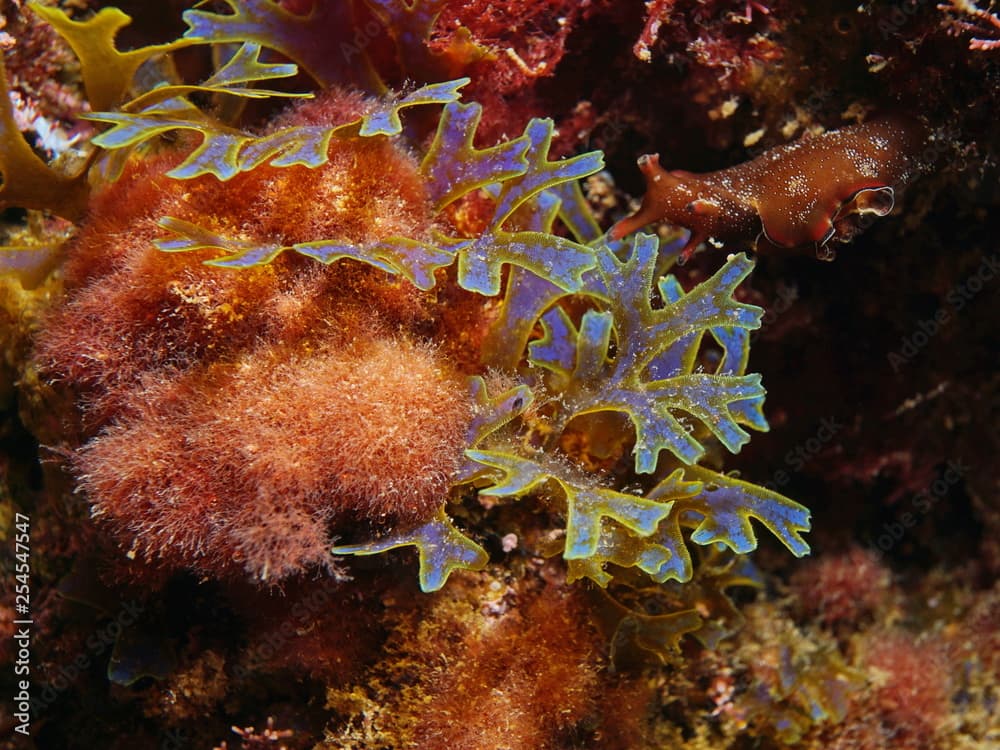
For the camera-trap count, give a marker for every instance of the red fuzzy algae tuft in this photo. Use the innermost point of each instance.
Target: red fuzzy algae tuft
(523, 670)
(912, 686)
(264, 454)
(843, 588)
(287, 397)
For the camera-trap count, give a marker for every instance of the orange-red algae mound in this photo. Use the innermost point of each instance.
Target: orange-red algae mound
(250, 463)
(229, 419)
(524, 680)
